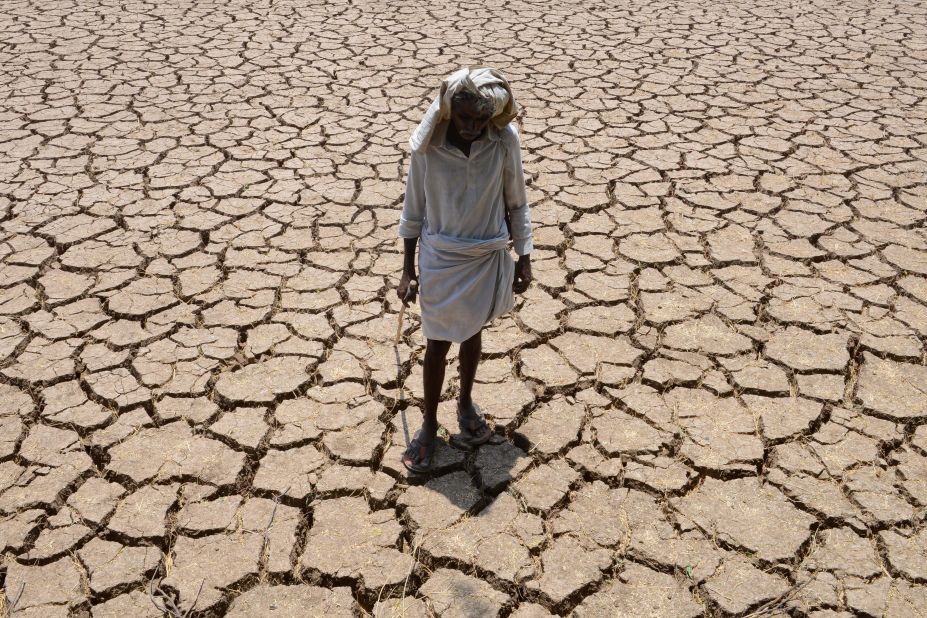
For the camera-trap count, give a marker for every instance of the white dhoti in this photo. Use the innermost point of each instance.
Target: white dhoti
(464, 283)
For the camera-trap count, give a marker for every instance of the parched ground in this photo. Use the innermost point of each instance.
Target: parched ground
(712, 402)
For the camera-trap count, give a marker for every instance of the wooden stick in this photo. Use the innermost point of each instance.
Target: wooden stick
(402, 311)
(413, 285)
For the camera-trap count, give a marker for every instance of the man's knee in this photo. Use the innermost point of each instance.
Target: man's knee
(437, 350)
(475, 340)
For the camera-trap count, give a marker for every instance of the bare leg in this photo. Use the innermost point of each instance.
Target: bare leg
(472, 423)
(435, 364)
(470, 351)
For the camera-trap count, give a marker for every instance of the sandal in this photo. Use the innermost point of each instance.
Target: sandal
(474, 430)
(420, 454)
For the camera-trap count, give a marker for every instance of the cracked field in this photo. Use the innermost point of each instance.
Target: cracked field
(712, 401)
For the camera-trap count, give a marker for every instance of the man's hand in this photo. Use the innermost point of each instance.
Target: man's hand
(406, 291)
(522, 275)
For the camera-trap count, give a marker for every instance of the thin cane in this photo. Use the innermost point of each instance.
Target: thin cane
(402, 310)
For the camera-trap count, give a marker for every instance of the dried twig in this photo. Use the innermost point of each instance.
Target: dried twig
(405, 583)
(273, 513)
(168, 606)
(195, 599)
(11, 604)
(779, 603)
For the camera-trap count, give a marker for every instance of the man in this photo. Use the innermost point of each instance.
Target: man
(465, 198)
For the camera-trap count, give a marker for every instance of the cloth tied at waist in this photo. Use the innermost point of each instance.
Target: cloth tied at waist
(454, 249)
(463, 283)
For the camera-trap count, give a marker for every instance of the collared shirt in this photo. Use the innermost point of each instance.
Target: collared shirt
(454, 195)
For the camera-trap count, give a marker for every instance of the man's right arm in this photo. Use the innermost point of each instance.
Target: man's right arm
(408, 272)
(413, 206)
(408, 261)
(410, 224)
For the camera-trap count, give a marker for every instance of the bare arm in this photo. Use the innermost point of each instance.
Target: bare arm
(405, 291)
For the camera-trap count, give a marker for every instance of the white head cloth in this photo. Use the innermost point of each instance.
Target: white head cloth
(483, 82)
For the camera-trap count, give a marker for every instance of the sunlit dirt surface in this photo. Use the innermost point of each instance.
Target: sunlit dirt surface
(711, 402)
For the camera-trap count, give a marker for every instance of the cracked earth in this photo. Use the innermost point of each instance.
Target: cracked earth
(711, 402)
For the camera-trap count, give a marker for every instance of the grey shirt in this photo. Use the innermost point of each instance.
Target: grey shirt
(453, 195)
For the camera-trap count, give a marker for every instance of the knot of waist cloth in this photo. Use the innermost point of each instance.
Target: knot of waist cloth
(452, 248)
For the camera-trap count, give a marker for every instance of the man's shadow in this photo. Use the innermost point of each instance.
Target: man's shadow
(467, 478)
(488, 468)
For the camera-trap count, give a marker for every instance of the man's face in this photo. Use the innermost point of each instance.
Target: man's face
(469, 120)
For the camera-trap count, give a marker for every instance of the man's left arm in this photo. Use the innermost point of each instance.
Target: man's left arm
(516, 202)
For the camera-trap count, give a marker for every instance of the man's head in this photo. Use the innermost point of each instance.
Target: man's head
(469, 99)
(470, 113)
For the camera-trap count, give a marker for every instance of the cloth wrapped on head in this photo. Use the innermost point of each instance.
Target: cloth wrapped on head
(484, 82)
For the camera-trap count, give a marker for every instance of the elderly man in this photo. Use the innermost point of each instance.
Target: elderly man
(465, 198)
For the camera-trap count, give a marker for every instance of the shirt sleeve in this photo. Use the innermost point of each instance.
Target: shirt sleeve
(516, 197)
(413, 208)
